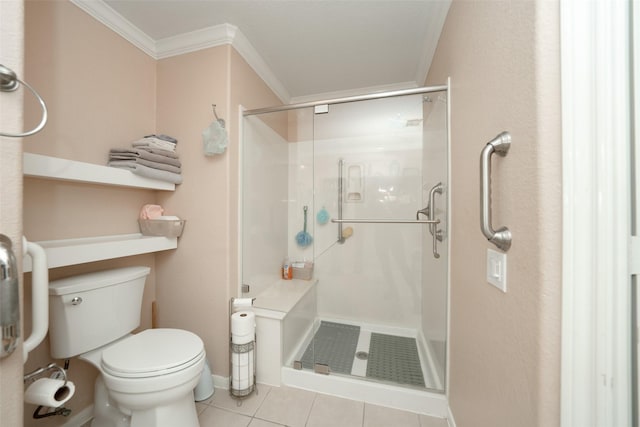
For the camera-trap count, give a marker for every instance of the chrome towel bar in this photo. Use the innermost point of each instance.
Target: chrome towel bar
(386, 221)
(499, 145)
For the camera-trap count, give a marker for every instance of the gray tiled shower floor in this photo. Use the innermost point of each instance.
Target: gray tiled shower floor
(391, 358)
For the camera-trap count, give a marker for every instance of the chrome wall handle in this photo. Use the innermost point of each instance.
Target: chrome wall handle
(499, 145)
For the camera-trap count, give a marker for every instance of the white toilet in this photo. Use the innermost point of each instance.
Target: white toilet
(147, 379)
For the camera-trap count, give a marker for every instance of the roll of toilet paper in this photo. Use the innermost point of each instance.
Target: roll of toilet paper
(242, 359)
(243, 323)
(242, 370)
(242, 303)
(242, 384)
(242, 339)
(49, 392)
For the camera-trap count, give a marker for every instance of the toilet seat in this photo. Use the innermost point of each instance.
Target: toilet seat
(152, 353)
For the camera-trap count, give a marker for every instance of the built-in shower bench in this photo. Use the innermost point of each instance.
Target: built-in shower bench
(285, 313)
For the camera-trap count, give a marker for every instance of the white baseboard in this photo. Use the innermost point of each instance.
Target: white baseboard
(220, 382)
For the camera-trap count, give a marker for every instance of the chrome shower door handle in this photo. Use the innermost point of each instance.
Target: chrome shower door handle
(431, 215)
(499, 145)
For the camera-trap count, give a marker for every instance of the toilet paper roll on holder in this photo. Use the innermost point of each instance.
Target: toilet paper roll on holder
(31, 377)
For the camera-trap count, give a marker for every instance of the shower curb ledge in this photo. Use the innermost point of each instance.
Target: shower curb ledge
(418, 401)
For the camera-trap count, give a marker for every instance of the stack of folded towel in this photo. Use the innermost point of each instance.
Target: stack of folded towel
(153, 156)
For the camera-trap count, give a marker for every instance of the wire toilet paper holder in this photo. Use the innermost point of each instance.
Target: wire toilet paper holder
(239, 349)
(32, 376)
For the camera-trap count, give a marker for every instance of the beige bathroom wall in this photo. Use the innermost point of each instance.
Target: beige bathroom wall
(503, 59)
(100, 91)
(193, 281)
(196, 282)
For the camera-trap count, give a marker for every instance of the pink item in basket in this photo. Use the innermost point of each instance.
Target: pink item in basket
(151, 212)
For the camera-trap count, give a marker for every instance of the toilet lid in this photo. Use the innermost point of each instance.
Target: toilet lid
(152, 352)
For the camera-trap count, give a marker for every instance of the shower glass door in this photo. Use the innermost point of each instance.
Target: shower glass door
(377, 309)
(382, 293)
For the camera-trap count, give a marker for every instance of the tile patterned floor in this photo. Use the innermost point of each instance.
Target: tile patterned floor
(283, 406)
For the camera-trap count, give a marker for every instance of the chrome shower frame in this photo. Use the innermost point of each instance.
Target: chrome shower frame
(379, 95)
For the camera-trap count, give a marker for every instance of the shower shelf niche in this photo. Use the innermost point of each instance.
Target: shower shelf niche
(66, 252)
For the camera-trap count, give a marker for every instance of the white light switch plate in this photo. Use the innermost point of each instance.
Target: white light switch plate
(497, 269)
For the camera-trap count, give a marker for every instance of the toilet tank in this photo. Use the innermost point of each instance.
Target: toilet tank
(91, 310)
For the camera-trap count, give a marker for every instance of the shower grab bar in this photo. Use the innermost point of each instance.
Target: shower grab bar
(386, 221)
(499, 145)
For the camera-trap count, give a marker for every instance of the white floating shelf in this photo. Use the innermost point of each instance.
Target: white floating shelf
(65, 252)
(39, 166)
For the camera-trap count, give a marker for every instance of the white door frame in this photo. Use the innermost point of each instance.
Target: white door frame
(596, 329)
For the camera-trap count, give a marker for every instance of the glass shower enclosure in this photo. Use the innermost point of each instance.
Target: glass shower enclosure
(354, 194)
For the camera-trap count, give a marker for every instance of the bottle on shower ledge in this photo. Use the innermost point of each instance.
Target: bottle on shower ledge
(286, 269)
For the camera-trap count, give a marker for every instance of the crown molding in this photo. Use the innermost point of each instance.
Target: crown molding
(244, 47)
(120, 25)
(217, 35)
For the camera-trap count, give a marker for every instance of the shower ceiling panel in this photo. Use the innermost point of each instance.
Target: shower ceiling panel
(312, 46)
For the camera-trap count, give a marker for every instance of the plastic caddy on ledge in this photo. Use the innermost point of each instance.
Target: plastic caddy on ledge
(302, 270)
(167, 226)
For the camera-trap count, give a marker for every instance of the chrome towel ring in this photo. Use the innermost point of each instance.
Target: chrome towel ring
(9, 83)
